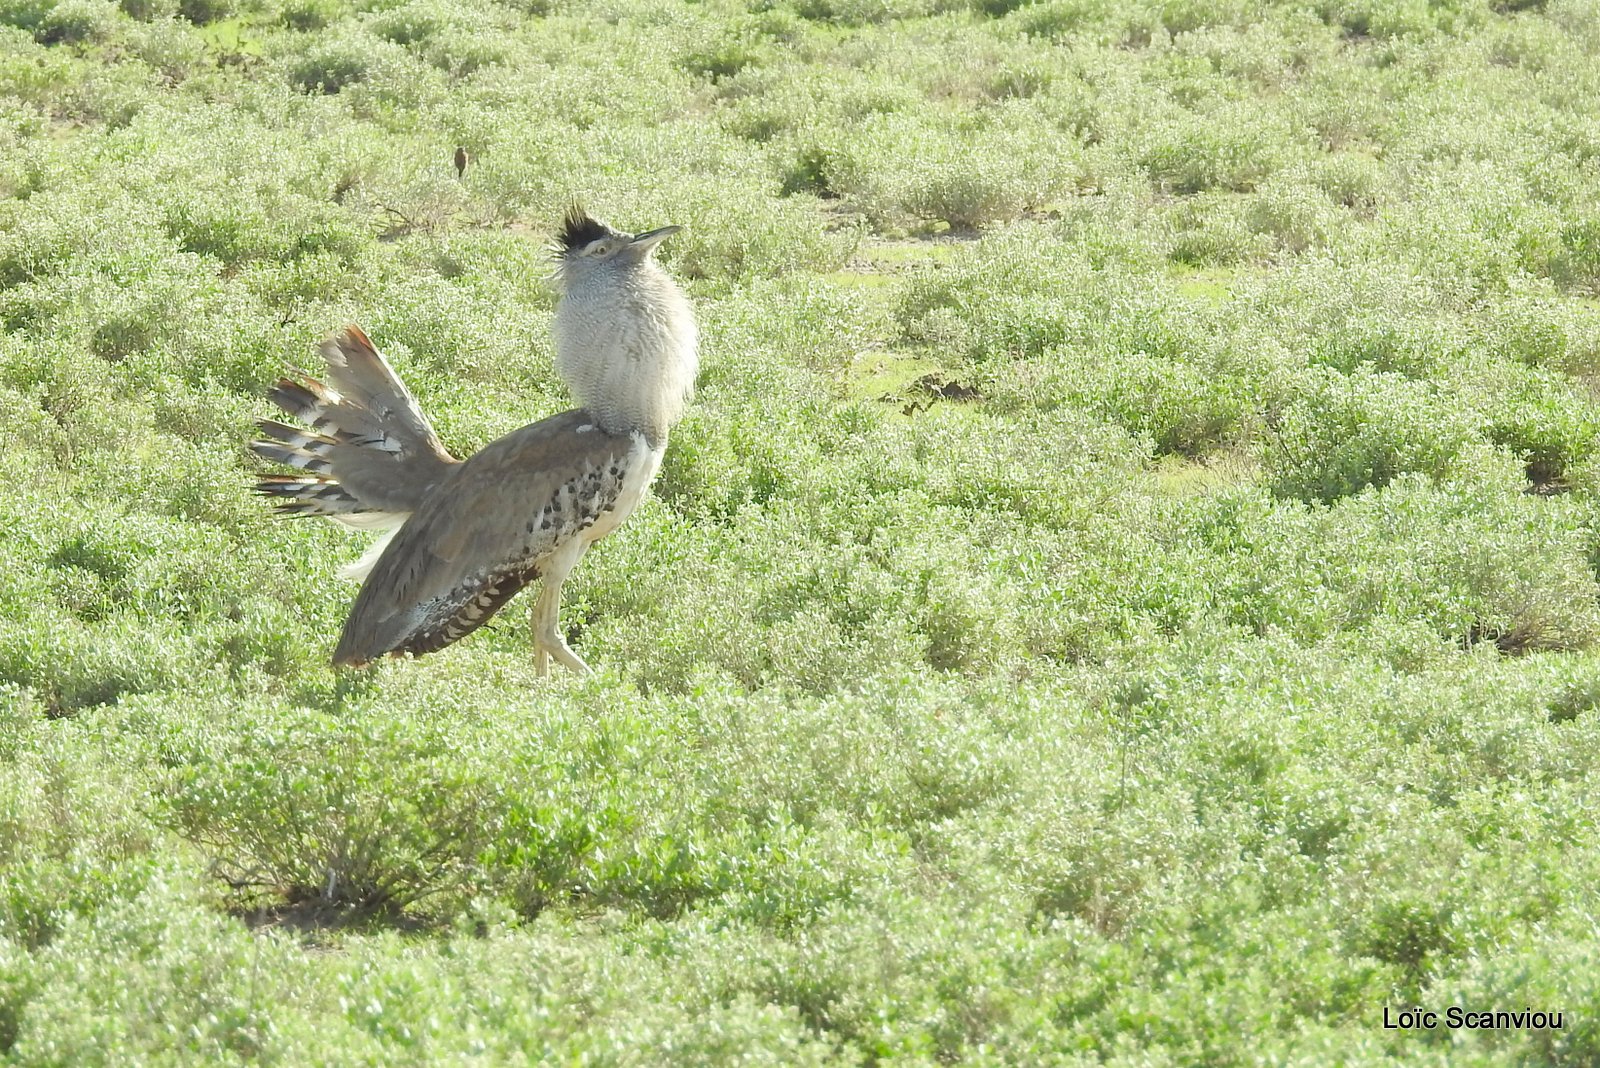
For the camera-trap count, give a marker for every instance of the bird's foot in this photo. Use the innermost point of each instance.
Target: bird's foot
(552, 646)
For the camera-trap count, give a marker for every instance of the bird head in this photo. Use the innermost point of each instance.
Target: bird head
(584, 243)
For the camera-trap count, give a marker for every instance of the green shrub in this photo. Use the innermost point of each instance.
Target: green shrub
(305, 16)
(1230, 151)
(377, 817)
(1182, 408)
(25, 14)
(448, 36)
(1351, 180)
(727, 54)
(149, 10)
(1576, 262)
(174, 52)
(75, 839)
(1346, 434)
(856, 12)
(203, 12)
(76, 21)
(332, 66)
(1377, 18)
(1017, 294)
(896, 165)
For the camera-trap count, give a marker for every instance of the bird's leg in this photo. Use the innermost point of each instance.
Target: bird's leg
(541, 652)
(551, 635)
(541, 655)
(547, 640)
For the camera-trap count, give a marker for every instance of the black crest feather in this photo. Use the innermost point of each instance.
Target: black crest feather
(578, 229)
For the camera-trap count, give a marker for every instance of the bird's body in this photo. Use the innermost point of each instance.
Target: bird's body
(465, 537)
(492, 526)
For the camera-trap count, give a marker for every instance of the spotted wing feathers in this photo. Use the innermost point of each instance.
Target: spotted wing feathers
(469, 614)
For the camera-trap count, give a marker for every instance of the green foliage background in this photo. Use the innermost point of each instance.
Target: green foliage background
(1125, 594)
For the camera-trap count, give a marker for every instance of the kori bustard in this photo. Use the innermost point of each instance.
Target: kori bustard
(465, 537)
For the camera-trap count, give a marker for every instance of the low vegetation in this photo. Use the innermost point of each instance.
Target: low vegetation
(1126, 591)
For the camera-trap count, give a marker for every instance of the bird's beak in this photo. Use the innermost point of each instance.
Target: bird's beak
(647, 241)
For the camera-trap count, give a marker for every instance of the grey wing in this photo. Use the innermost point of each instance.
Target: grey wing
(369, 448)
(484, 533)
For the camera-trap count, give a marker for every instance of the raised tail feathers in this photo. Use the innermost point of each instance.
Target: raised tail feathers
(319, 492)
(306, 450)
(369, 455)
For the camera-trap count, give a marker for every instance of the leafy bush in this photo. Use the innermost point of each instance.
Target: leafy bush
(378, 818)
(1182, 409)
(333, 65)
(1351, 433)
(25, 14)
(1231, 151)
(1576, 263)
(166, 47)
(201, 12)
(451, 37)
(76, 21)
(149, 10)
(1017, 296)
(897, 164)
(306, 16)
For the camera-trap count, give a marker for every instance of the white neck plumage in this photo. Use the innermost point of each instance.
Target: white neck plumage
(626, 347)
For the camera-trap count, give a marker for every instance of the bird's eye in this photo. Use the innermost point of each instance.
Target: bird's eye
(600, 248)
